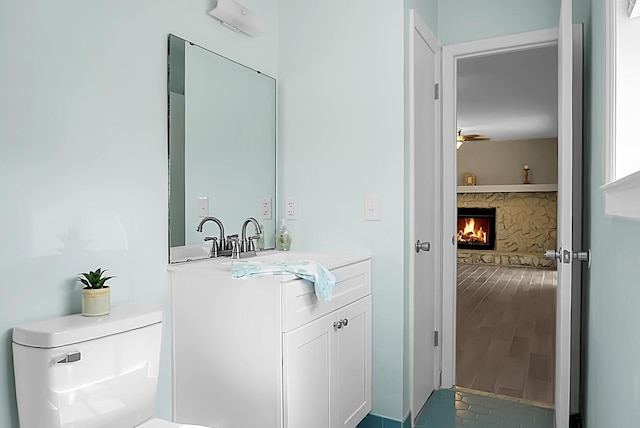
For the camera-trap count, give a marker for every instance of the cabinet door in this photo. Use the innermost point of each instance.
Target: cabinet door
(309, 356)
(351, 396)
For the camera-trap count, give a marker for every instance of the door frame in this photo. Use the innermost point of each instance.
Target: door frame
(450, 55)
(416, 24)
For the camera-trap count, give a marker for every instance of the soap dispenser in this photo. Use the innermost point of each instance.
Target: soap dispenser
(283, 239)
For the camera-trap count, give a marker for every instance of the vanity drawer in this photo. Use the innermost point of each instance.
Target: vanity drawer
(299, 302)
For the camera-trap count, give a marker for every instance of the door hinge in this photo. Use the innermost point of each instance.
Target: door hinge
(440, 381)
(436, 339)
(436, 92)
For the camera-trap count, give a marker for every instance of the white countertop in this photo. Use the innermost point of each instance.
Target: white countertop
(328, 260)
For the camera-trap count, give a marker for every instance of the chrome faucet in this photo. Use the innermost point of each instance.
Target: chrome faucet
(247, 244)
(217, 243)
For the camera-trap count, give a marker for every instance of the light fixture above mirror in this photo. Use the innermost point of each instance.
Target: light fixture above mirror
(237, 17)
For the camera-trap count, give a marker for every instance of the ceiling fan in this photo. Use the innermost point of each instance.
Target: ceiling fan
(460, 139)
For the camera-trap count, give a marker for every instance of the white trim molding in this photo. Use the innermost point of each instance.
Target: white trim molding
(622, 197)
(609, 167)
(508, 188)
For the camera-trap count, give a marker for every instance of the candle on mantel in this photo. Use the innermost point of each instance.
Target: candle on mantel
(526, 175)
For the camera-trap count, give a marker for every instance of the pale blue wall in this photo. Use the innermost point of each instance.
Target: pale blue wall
(612, 372)
(428, 11)
(83, 151)
(463, 20)
(342, 136)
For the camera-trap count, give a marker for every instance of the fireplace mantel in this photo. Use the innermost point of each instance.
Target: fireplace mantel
(506, 188)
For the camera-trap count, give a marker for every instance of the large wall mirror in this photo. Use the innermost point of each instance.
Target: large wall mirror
(222, 146)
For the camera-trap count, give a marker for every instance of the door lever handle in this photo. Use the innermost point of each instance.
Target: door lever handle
(583, 256)
(563, 256)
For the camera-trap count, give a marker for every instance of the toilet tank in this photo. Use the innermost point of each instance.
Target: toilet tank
(81, 372)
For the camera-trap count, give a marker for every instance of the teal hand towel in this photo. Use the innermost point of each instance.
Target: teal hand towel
(323, 280)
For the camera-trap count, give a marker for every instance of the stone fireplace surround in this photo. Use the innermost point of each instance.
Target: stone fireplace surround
(525, 227)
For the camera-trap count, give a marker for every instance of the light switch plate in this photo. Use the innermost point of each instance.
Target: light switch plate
(372, 207)
(203, 206)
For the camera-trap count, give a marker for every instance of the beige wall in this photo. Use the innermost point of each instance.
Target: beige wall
(501, 162)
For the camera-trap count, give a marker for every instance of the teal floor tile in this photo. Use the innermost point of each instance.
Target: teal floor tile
(459, 408)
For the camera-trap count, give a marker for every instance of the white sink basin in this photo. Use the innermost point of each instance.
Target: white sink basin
(188, 253)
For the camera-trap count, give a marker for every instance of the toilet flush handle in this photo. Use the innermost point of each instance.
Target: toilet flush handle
(71, 357)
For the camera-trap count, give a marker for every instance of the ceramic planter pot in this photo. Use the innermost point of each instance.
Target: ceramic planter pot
(96, 301)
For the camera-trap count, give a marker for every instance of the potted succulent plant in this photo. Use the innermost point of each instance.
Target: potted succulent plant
(96, 296)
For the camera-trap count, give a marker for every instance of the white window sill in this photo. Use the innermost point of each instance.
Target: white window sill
(622, 197)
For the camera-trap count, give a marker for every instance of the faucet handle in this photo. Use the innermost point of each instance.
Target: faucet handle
(230, 238)
(214, 246)
(251, 246)
(235, 246)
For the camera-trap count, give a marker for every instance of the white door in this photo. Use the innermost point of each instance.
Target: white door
(565, 213)
(352, 394)
(424, 208)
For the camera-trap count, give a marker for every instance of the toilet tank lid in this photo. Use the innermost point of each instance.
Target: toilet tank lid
(76, 328)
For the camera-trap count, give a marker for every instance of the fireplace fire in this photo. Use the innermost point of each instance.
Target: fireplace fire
(477, 228)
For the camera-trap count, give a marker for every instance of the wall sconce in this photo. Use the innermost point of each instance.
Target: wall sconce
(236, 17)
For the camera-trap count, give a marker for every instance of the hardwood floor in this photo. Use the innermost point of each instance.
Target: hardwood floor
(506, 330)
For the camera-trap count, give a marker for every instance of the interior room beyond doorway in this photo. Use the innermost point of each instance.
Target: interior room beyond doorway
(506, 117)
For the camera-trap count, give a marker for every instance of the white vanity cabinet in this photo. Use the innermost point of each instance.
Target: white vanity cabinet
(327, 369)
(264, 352)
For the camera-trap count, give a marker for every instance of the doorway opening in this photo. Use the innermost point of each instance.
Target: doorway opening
(506, 112)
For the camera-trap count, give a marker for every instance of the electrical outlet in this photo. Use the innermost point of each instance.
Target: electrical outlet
(291, 208)
(265, 208)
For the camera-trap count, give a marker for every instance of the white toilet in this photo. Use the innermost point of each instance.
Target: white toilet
(90, 372)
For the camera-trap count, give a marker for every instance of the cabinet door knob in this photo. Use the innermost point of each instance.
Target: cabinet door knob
(345, 322)
(337, 325)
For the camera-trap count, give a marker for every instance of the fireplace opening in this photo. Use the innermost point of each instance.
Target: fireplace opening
(477, 228)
